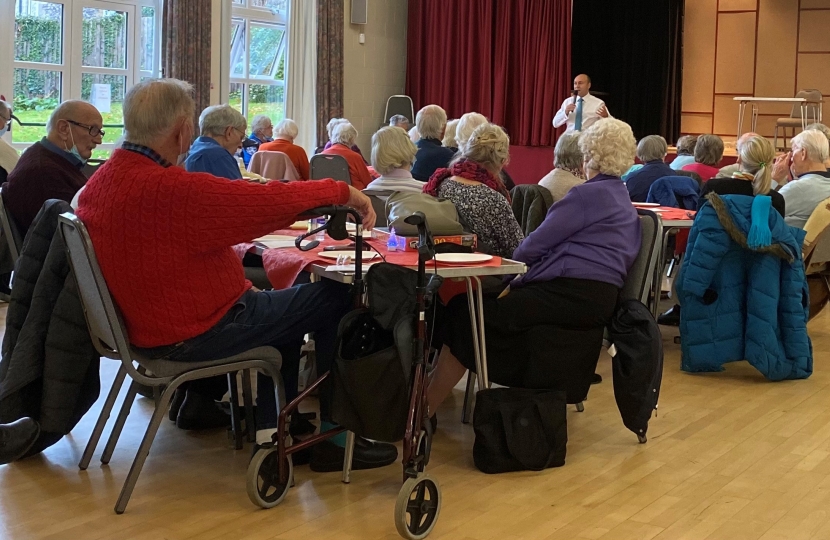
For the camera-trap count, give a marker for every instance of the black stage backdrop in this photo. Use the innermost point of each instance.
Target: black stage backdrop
(633, 51)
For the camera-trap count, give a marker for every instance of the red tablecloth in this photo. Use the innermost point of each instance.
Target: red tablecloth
(284, 265)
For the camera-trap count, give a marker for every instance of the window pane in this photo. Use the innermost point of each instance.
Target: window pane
(148, 39)
(239, 2)
(266, 43)
(235, 96)
(238, 47)
(268, 99)
(38, 31)
(114, 115)
(276, 6)
(104, 38)
(36, 94)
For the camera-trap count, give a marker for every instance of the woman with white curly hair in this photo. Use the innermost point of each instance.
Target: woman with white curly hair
(577, 262)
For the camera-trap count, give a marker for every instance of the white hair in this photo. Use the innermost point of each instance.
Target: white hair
(344, 133)
(431, 121)
(286, 128)
(215, 119)
(652, 148)
(466, 125)
(608, 147)
(449, 134)
(414, 136)
(333, 122)
(489, 146)
(260, 123)
(398, 119)
(814, 143)
(153, 108)
(392, 149)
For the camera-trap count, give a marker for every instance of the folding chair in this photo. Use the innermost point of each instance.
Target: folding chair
(12, 236)
(378, 198)
(110, 339)
(399, 104)
(330, 166)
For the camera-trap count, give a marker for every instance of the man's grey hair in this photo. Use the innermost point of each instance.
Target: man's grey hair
(64, 111)
(431, 121)
(652, 148)
(153, 108)
(260, 123)
(286, 128)
(821, 127)
(398, 119)
(814, 142)
(566, 153)
(215, 119)
(344, 133)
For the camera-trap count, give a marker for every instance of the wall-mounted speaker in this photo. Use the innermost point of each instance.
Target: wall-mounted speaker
(360, 11)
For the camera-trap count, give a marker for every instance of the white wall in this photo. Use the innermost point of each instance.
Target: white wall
(375, 70)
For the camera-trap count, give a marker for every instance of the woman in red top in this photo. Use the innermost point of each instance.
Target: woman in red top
(708, 153)
(284, 134)
(343, 136)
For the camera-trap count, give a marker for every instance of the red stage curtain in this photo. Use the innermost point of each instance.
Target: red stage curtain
(507, 59)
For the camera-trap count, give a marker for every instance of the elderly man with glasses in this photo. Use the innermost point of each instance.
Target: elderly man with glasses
(52, 167)
(222, 130)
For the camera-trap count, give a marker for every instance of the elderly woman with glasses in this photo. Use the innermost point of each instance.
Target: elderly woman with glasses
(52, 167)
(222, 129)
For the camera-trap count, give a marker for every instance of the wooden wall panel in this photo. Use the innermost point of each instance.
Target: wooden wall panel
(777, 46)
(726, 116)
(814, 34)
(695, 123)
(814, 72)
(738, 5)
(735, 62)
(699, 55)
(815, 4)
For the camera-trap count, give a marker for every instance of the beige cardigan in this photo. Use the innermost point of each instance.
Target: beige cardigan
(559, 182)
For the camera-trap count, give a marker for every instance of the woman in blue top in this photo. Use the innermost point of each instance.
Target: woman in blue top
(577, 262)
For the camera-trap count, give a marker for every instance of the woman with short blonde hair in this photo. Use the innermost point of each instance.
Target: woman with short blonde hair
(392, 157)
(608, 147)
(466, 125)
(472, 183)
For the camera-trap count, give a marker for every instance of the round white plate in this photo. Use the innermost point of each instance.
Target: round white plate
(462, 258)
(645, 204)
(367, 255)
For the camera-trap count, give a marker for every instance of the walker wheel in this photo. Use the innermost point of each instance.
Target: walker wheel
(263, 478)
(642, 438)
(580, 407)
(417, 507)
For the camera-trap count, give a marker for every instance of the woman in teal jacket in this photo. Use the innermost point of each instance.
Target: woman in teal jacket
(743, 290)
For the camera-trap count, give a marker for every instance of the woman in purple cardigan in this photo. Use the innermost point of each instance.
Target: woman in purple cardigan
(577, 262)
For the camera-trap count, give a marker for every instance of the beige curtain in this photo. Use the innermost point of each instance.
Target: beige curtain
(329, 64)
(185, 39)
(301, 94)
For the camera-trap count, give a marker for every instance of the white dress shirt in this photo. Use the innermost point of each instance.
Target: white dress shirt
(589, 113)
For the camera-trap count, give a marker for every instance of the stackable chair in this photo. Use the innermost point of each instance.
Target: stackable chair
(110, 339)
(399, 104)
(330, 166)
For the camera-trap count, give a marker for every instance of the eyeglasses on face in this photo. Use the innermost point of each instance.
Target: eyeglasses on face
(93, 130)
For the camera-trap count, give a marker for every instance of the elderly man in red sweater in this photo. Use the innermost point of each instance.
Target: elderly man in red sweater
(164, 237)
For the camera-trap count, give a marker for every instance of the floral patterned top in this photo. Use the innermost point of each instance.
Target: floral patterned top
(487, 213)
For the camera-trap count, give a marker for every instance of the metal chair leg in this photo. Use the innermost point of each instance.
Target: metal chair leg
(106, 410)
(250, 425)
(236, 423)
(144, 449)
(119, 423)
(469, 396)
(347, 458)
(580, 407)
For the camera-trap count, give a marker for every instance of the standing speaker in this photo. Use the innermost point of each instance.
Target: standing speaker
(360, 11)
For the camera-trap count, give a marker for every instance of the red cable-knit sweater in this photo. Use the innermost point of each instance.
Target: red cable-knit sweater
(163, 239)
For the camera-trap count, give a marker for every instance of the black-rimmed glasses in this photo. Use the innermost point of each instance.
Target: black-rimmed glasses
(94, 131)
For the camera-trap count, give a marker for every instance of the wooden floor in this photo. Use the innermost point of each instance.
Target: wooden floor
(730, 456)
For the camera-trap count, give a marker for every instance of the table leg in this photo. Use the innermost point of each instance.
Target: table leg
(803, 116)
(482, 337)
(741, 110)
(754, 118)
(471, 302)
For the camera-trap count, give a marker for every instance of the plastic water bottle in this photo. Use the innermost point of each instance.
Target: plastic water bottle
(392, 242)
(319, 222)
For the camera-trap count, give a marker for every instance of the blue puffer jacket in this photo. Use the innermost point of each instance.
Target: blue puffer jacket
(744, 304)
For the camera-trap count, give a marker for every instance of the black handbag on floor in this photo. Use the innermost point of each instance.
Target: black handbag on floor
(519, 429)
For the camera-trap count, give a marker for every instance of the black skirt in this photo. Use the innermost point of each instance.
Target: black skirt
(537, 333)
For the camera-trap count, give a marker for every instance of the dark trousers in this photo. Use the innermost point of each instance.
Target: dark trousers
(278, 319)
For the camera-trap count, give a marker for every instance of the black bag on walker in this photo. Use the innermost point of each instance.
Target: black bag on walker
(374, 355)
(519, 429)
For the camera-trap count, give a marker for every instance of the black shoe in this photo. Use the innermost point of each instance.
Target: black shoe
(300, 426)
(176, 404)
(145, 391)
(199, 412)
(328, 457)
(671, 317)
(16, 439)
(596, 379)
